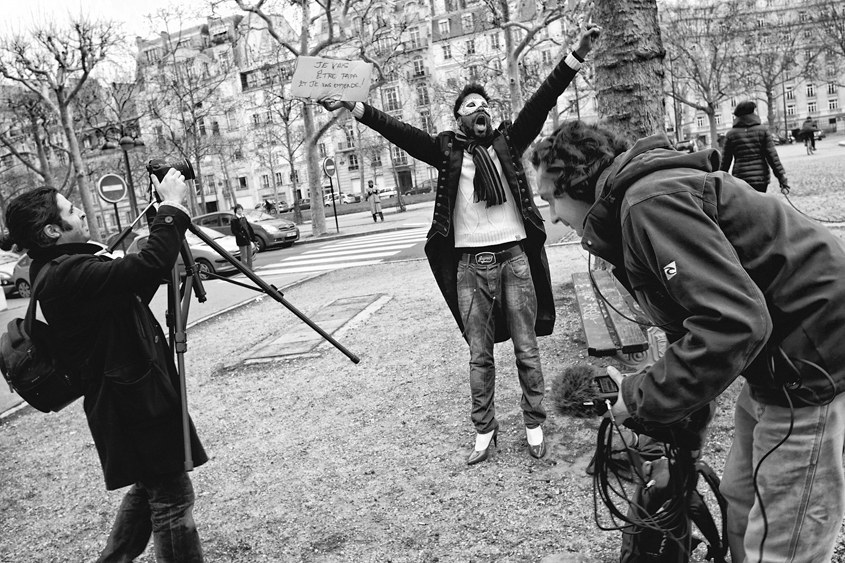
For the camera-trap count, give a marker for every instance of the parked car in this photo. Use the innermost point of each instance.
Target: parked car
(7, 271)
(781, 140)
(269, 230)
(339, 198)
(273, 207)
(387, 193)
(206, 258)
(687, 145)
(20, 276)
(305, 203)
(423, 187)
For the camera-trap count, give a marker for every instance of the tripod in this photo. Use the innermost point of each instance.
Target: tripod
(179, 300)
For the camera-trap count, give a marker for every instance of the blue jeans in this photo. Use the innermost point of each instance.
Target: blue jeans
(246, 255)
(801, 483)
(507, 286)
(162, 507)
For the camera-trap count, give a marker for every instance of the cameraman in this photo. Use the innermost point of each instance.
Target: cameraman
(131, 386)
(743, 285)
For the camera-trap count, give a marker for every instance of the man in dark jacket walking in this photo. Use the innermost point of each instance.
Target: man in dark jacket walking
(485, 246)
(743, 285)
(751, 148)
(132, 394)
(244, 235)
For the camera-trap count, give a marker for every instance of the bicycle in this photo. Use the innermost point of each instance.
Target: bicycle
(808, 143)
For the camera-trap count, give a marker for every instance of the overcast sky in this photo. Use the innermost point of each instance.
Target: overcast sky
(19, 14)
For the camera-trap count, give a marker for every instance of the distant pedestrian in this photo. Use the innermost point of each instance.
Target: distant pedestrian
(244, 235)
(751, 146)
(375, 202)
(808, 132)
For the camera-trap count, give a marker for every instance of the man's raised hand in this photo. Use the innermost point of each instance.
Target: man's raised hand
(333, 105)
(590, 33)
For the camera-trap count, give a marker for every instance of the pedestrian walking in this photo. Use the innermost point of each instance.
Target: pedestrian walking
(244, 235)
(763, 299)
(751, 148)
(375, 202)
(485, 246)
(132, 391)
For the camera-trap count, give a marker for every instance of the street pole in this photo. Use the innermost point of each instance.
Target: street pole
(334, 205)
(785, 123)
(133, 204)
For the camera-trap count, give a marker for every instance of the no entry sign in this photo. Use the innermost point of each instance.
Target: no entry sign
(328, 166)
(111, 188)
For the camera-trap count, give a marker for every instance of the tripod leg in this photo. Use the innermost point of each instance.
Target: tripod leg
(179, 344)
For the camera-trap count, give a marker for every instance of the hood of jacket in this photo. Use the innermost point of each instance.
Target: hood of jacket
(602, 227)
(748, 120)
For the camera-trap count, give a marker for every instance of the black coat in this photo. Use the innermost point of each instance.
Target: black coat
(751, 148)
(99, 307)
(242, 230)
(510, 142)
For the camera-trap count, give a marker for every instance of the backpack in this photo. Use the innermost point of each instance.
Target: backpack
(31, 370)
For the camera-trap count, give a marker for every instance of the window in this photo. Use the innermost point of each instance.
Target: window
(466, 22)
(812, 107)
(811, 90)
(718, 117)
(256, 120)
(471, 47)
(353, 162)
(495, 42)
(391, 100)
(419, 68)
(265, 181)
(790, 110)
(208, 182)
(322, 148)
(242, 185)
(699, 121)
(415, 38)
(422, 96)
(790, 93)
(425, 122)
(444, 27)
(201, 126)
(400, 157)
(831, 88)
(239, 154)
(497, 65)
(375, 159)
(832, 103)
(215, 128)
(447, 52)
(473, 72)
(450, 5)
(151, 55)
(547, 57)
(294, 176)
(279, 178)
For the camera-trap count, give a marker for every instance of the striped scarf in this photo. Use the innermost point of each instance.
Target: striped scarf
(487, 183)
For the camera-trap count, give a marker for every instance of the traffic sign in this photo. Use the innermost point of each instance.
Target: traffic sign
(112, 188)
(329, 167)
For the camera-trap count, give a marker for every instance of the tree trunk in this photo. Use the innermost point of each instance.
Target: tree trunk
(312, 156)
(629, 66)
(81, 172)
(45, 171)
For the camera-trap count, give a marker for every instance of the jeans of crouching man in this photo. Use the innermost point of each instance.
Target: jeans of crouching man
(161, 507)
(508, 286)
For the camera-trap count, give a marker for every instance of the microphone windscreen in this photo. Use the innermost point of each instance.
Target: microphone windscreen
(573, 388)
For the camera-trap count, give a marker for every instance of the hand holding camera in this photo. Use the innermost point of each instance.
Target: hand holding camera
(172, 187)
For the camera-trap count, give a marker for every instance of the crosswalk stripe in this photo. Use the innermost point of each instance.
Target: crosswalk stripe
(321, 259)
(352, 250)
(316, 268)
(370, 242)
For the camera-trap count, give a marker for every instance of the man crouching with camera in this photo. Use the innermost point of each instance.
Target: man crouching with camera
(109, 335)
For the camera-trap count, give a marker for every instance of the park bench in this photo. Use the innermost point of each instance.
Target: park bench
(608, 333)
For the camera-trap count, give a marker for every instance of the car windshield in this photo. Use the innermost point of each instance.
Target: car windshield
(258, 216)
(8, 257)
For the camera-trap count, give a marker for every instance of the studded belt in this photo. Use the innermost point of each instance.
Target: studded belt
(489, 258)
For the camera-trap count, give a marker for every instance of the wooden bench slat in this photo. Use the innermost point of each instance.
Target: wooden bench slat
(599, 340)
(631, 337)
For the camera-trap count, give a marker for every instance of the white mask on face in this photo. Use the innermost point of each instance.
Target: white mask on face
(473, 103)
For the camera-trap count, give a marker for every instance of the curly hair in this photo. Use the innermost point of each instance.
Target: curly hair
(580, 151)
(29, 213)
(473, 88)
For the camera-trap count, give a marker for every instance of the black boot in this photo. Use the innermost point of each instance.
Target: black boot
(375, 220)
(380, 214)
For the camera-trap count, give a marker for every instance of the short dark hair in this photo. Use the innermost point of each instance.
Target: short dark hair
(473, 88)
(238, 206)
(29, 213)
(580, 151)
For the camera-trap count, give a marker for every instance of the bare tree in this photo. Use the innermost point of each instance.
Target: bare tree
(54, 63)
(307, 13)
(831, 19)
(704, 39)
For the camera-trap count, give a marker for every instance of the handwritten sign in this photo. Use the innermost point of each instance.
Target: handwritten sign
(316, 77)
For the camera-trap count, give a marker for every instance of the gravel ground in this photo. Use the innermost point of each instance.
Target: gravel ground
(322, 460)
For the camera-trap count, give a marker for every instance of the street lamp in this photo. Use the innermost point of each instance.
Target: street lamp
(126, 144)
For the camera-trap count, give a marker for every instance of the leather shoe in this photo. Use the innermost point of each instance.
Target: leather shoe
(537, 451)
(478, 456)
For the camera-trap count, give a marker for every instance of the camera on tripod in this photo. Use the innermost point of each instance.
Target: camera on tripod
(158, 167)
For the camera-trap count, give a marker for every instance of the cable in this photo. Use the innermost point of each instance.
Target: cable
(784, 189)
